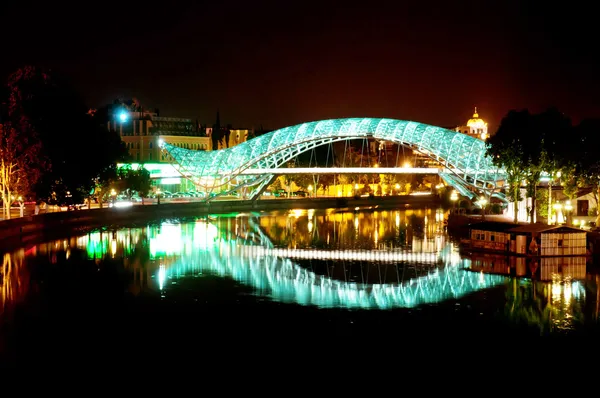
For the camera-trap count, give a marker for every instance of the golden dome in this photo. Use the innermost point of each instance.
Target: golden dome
(476, 122)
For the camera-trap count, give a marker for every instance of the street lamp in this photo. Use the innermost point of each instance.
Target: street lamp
(568, 209)
(482, 202)
(158, 195)
(113, 194)
(397, 189)
(123, 116)
(376, 165)
(99, 192)
(559, 216)
(558, 174)
(21, 205)
(310, 189)
(454, 198)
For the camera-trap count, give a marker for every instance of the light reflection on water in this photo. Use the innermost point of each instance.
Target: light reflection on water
(329, 259)
(550, 292)
(14, 280)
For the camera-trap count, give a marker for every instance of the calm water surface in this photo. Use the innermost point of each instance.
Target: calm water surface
(297, 271)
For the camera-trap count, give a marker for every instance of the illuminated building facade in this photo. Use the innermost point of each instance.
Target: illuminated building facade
(475, 127)
(222, 137)
(142, 131)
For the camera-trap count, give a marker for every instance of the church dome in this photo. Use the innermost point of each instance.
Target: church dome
(476, 122)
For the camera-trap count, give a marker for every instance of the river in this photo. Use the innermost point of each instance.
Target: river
(291, 272)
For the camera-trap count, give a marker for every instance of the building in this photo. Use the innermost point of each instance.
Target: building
(475, 127)
(141, 132)
(223, 137)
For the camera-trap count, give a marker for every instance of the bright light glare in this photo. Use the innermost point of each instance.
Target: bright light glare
(123, 116)
(162, 275)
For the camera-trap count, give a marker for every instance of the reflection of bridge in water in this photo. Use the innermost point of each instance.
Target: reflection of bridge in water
(271, 273)
(348, 255)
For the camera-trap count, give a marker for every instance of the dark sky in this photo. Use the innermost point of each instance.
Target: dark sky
(277, 63)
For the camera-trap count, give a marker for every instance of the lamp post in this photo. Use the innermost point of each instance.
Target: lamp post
(482, 202)
(99, 192)
(376, 165)
(568, 209)
(397, 189)
(21, 205)
(558, 213)
(113, 195)
(310, 191)
(158, 195)
(558, 174)
(454, 198)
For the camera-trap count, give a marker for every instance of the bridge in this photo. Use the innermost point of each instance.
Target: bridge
(250, 165)
(342, 170)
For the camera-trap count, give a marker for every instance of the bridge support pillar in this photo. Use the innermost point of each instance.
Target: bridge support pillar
(268, 181)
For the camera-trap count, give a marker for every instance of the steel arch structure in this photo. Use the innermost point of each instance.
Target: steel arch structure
(463, 157)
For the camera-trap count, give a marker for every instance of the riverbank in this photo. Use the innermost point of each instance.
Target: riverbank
(27, 230)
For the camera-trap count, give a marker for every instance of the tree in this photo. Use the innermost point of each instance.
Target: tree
(324, 182)
(77, 145)
(507, 149)
(526, 146)
(570, 182)
(585, 154)
(549, 151)
(302, 180)
(389, 180)
(276, 185)
(140, 181)
(20, 162)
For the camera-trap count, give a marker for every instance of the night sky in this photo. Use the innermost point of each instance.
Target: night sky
(277, 63)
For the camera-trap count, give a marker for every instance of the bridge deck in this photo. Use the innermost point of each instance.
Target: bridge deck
(344, 170)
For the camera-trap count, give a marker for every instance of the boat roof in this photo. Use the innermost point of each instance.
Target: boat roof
(540, 227)
(495, 226)
(500, 226)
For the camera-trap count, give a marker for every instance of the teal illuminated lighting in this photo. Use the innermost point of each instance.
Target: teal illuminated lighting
(156, 170)
(175, 239)
(462, 156)
(99, 244)
(170, 181)
(285, 281)
(253, 260)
